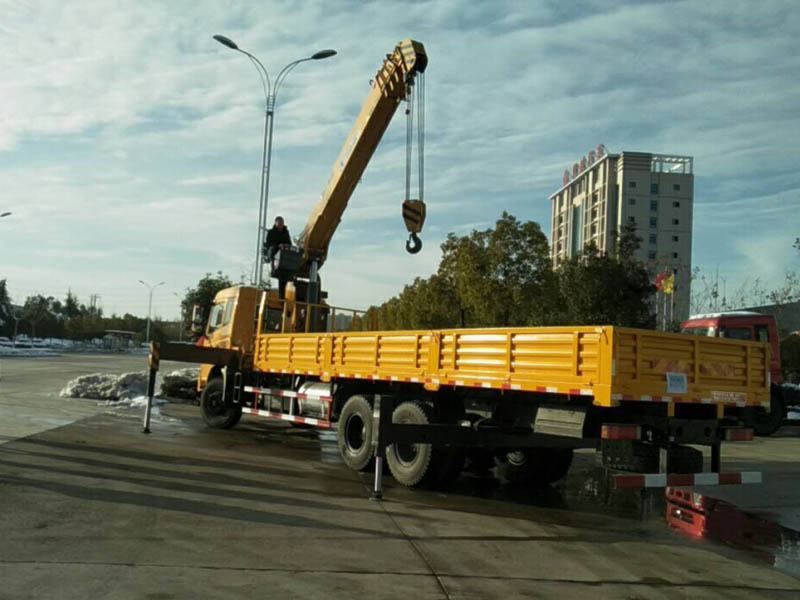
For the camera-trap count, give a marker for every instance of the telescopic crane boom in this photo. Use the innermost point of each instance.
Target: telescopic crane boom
(392, 84)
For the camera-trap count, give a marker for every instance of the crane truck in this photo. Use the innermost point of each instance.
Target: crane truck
(426, 401)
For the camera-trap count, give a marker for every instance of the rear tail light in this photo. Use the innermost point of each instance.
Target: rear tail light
(621, 432)
(738, 434)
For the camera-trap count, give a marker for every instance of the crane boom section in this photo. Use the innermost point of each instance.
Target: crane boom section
(389, 88)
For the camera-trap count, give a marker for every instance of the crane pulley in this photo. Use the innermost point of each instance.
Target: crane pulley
(414, 209)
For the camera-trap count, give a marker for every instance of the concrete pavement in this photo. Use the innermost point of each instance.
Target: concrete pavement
(96, 509)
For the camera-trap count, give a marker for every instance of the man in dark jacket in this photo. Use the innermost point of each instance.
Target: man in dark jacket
(278, 238)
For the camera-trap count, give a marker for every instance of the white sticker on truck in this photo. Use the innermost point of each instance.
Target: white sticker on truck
(677, 383)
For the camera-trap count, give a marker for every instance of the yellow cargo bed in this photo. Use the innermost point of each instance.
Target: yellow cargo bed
(609, 364)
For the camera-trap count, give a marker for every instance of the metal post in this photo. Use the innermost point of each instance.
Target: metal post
(716, 458)
(153, 360)
(149, 312)
(150, 288)
(381, 423)
(151, 387)
(266, 161)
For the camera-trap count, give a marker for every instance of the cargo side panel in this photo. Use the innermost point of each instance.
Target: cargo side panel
(714, 370)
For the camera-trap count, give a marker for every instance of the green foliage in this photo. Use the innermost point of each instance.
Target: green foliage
(38, 309)
(500, 276)
(5, 306)
(597, 288)
(203, 294)
(503, 276)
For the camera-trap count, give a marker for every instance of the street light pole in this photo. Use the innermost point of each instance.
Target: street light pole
(150, 288)
(180, 327)
(270, 96)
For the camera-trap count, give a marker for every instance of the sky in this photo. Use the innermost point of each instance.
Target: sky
(131, 141)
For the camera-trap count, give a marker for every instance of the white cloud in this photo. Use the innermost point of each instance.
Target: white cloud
(130, 141)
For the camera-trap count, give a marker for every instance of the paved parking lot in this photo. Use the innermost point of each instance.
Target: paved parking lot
(93, 508)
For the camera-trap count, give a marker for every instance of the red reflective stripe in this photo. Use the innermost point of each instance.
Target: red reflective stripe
(730, 478)
(629, 482)
(680, 479)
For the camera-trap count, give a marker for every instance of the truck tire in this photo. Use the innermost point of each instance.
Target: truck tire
(413, 465)
(355, 433)
(535, 466)
(767, 423)
(216, 413)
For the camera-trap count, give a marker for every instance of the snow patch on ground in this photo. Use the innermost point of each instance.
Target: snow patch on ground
(26, 352)
(130, 389)
(107, 386)
(794, 415)
(137, 402)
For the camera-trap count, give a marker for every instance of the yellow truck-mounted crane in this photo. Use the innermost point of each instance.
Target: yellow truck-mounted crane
(397, 80)
(523, 397)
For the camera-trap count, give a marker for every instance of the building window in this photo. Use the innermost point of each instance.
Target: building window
(594, 198)
(653, 204)
(676, 204)
(632, 201)
(674, 255)
(653, 239)
(676, 222)
(653, 188)
(653, 222)
(674, 238)
(632, 220)
(631, 184)
(676, 187)
(651, 255)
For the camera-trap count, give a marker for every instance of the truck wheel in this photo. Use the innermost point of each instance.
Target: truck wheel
(216, 413)
(535, 466)
(413, 464)
(355, 433)
(767, 423)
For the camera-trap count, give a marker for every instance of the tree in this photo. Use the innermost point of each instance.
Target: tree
(203, 295)
(606, 289)
(37, 309)
(496, 277)
(501, 276)
(71, 308)
(5, 306)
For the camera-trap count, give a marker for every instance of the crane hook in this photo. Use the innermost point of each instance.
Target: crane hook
(414, 244)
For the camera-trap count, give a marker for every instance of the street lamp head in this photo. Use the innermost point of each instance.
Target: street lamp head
(323, 54)
(226, 41)
(5, 214)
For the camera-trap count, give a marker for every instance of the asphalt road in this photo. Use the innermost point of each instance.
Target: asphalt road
(92, 508)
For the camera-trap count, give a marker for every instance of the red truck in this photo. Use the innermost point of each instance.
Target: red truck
(746, 325)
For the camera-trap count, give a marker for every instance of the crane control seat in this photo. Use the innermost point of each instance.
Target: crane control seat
(286, 261)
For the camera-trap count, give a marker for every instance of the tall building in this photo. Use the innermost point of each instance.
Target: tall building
(654, 192)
